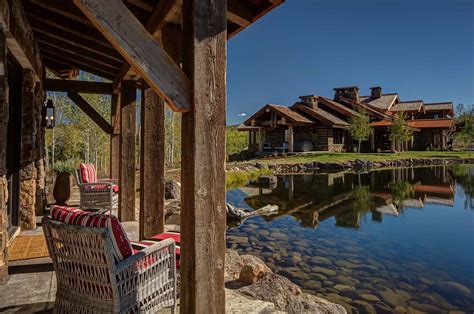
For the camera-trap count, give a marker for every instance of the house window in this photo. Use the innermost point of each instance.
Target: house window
(286, 136)
(338, 136)
(436, 116)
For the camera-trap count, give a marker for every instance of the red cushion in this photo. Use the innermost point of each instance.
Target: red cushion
(138, 246)
(77, 217)
(88, 173)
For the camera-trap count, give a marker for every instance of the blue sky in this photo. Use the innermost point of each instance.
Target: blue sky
(422, 49)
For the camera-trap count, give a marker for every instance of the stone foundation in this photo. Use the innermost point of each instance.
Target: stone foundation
(3, 230)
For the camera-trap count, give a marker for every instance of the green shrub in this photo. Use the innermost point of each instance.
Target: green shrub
(66, 166)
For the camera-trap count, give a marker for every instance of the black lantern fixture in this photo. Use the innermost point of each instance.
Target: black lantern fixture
(49, 118)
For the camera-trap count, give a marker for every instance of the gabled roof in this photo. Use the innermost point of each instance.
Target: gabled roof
(382, 103)
(372, 111)
(337, 106)
(439, 106)
(413, 105)
(321, 115)
(292, 115)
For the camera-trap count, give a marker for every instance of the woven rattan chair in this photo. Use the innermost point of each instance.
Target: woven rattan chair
(96, 195)
(89, 280)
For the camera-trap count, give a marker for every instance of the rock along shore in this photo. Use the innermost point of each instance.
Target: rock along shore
(357, 165)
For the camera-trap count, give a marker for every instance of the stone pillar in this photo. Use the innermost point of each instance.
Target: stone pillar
(4, 116)
(40, 202)
(27, 208)
(3, 229)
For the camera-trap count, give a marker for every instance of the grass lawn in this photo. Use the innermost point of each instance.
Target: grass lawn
(341, 157)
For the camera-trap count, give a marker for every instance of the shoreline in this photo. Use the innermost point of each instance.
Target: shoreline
(351, 165)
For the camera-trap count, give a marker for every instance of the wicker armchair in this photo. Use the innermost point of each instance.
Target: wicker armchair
(89, 280)
(97, 195)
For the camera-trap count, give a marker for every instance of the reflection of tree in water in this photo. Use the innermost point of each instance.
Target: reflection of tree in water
(362, 201)
(401, 191)
(464, 176)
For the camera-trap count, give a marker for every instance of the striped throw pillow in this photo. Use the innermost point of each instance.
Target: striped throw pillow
(77, 217)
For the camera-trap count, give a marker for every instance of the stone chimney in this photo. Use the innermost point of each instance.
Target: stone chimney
(351, 92)
(310, 101)
(376, 92)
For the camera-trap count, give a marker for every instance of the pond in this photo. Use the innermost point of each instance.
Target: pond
(397, 239)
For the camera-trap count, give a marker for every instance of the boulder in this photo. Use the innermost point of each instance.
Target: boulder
(172, 190)
(287, 296)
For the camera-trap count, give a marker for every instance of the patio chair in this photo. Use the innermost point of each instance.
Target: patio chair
(94, 193)
(98, 271)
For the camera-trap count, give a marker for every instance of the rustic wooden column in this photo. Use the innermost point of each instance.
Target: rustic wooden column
(4, 116)
(290, 138)
(372, 142)
(115, 137)
(260, 140)
(127, 150)
(152, 164)
(203, 214)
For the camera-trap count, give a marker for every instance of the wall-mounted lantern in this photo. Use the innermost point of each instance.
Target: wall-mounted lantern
(48, 115)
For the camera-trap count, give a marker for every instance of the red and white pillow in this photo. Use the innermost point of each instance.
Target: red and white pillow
(78, 217)
(88, 173)
(138, 246)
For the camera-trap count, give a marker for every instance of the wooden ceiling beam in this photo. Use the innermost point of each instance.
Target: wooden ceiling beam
(64, 8)
(94, 59)
(82, 60)
(60, 22)
(142, 5)
(64, 45)
(72, 40)
(90, 112)
(240, 13)
(74, 86)
(74, 63)
(141, 50)
(158, 19)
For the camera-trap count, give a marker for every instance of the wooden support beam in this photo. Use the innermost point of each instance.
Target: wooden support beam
(90, 112)
(140, 49)
(115, 137)
(152, 164)
(203, 214)
(163, 12)
(72, 86)
(290, 138)
(127, 197)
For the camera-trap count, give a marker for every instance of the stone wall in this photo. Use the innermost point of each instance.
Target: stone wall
(3, 229)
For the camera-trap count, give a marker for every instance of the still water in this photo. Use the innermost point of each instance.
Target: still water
(397, 239)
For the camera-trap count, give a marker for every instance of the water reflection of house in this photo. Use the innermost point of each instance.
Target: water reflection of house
(311, 199)
(442, 194)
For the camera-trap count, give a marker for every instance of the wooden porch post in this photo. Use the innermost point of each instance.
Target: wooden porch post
(152, 164)
(115, 137)
(290, 138)
(260, 140)
(127, 150)
(372, 142)
(203, 214)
